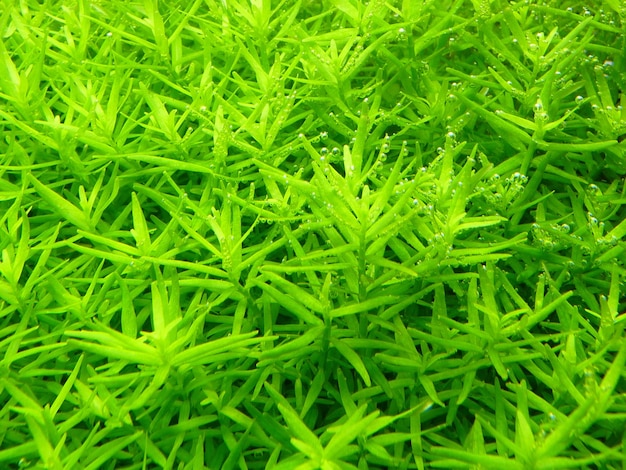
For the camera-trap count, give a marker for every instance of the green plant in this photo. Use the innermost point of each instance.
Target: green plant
(312, 234)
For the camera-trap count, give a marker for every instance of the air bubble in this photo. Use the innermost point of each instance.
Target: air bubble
(323, 135)
(579, 99)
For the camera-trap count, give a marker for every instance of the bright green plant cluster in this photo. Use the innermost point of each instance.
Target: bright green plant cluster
(307, 234)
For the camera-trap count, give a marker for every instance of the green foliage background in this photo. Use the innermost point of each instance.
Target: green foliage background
(312, 234)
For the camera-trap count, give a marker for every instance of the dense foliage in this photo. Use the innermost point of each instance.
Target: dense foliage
(312, 234)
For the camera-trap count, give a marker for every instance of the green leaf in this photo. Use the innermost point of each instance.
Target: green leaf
(288, 302)
(302, 435)
(353, 358)
(63, 208)
(140, 232)
(344, 434)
